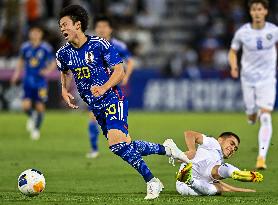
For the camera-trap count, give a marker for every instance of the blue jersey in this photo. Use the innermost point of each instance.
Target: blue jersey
(91, 65)
(121, 47)
(35, 59)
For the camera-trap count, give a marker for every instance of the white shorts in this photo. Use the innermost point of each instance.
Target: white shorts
(258, 96)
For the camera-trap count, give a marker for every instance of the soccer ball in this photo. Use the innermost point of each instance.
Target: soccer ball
(31, 182)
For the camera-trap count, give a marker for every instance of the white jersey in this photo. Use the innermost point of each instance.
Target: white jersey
(207, 156)
(259, 55)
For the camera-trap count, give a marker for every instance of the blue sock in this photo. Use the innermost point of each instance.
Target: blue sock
(133, 157)
(38, 120)
(148, 148)
(29, 112)
(93, 134)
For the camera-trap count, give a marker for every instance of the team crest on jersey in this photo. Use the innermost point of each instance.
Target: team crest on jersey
(89, 57)
(269, 36)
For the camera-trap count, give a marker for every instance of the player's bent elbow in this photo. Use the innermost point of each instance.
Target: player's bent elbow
(189, 133)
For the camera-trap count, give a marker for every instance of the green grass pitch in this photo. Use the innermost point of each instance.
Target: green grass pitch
(73, 179)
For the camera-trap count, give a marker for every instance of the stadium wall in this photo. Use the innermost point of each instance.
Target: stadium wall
(150, 90)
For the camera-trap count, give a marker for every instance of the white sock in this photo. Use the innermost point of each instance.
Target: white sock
(204, 187)
(265, 134)
(168, 151)
(226, 170)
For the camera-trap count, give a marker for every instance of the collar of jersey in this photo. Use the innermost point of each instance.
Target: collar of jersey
(88, 39)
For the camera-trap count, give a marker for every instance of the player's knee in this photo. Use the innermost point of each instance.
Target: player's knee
(265, 118)
(182, 188)
(26, 105)
(185, 190)
(117, 136)
(40, 107)
(212, 190)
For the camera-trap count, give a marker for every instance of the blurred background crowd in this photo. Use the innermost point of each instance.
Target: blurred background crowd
(170, 35)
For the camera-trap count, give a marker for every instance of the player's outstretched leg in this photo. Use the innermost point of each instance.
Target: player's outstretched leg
(169, 148)
(174, 152)
(27, 107)
(148, 148)
(265, 134)
(229, 171)
(38, 119)
(93, 134)
(133, 157)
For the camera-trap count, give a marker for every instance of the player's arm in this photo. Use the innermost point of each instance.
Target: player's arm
(66, 77)
(191, 139)
(233, 63)
(50, 67)
(128, 71)
(224, 187)
(18, 69)
(116, 77)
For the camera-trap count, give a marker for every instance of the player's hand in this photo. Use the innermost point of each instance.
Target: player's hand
(234, 73)
(44, 72)
(98, 90)
(190, 154)
(68, 98)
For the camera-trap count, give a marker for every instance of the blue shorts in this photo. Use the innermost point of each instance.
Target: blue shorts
(35, 94)
(113, 116)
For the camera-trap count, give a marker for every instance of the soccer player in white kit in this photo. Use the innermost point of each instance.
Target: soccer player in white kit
(203, 175)
(258, 71)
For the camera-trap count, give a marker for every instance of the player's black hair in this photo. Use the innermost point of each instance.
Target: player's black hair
(76, 13)
(38, 26)
(104, 18)
(265, 3)
(229, 134)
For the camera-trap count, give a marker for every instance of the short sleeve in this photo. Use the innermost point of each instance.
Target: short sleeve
(60, 63)
(210, 142)
(236, 42)
(49, 53)
(111, 56)
(124, 52)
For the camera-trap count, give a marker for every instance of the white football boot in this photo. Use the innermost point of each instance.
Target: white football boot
(92, 154)
(35, 134)
(174, 152)
(154, 187)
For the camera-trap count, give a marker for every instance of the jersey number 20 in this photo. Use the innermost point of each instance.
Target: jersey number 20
(83, 72)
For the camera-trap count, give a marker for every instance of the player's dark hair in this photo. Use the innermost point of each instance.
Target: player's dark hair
(37, 26)
(104, 18)
(76, 13)
(265, 3)
(229, 134)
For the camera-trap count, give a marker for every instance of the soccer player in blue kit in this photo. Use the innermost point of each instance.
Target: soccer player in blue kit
(103, 28)
(97, 70)
(36, 57)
